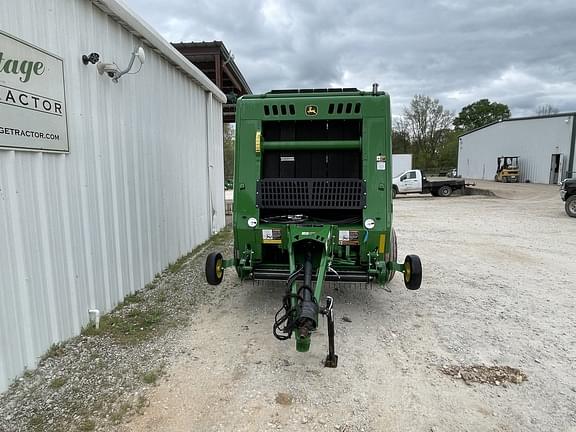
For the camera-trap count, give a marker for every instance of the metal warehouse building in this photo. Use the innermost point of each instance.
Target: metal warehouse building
(102, 184)
(544, 145)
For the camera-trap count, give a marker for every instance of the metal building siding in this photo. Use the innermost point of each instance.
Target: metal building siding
(533, 140)
(82, 230)
(216, 164)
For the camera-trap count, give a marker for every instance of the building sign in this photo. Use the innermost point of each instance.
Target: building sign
(32, 101)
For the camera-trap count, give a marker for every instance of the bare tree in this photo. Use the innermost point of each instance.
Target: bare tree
(546, 109)
(401, 138)
(427, 124)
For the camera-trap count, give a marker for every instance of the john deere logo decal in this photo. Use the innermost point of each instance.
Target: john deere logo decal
(311, 110)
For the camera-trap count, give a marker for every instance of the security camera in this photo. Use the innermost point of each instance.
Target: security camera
(109, 69)
(114, 72)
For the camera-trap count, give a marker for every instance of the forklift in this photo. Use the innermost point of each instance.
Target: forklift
(508, 170)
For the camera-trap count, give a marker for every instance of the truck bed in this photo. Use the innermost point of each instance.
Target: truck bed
(441, 181)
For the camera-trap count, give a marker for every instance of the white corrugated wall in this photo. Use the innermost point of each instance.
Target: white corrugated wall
(141, 186)
(534, 140)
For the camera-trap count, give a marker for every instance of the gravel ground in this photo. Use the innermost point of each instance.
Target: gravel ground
(100, 379)
(497, 293)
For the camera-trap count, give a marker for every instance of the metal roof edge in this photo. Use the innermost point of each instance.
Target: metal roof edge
(224, 51)
(570, 113)
(481, 127)
(309, 93)
(234, 67)
(139, 27)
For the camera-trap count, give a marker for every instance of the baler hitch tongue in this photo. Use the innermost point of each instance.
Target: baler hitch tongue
(299, 311)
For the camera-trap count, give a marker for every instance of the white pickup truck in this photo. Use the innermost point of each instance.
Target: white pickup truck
(414, 181)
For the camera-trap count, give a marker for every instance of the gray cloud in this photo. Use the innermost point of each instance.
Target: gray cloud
(518, 52)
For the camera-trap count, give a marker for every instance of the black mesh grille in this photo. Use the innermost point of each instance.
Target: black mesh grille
(310, 194)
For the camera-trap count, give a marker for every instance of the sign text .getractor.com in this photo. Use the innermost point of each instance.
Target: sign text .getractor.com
(28, 133)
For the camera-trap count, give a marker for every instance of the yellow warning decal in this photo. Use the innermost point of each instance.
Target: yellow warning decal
(348, 238)
(271, 236)
(272, 241)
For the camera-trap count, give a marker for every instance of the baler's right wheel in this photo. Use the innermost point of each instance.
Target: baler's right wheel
(214, 268)
(412, 272)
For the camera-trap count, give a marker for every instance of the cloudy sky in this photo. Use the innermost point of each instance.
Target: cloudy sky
(522, 53)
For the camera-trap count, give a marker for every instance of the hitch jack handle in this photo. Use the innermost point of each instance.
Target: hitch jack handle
(331, 359)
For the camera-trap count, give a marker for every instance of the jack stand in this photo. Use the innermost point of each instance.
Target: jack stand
(331, 359)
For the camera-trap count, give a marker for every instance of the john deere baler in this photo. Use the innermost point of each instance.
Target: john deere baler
(313, 201)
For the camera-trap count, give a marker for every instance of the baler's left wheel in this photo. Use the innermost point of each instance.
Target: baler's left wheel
(412, 272)
(214, 268)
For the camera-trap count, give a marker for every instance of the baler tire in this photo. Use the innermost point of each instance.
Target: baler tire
(392, 254)
(445, 191)
(214, 268)
(412, 272)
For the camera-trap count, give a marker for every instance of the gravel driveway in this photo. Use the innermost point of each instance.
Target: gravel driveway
(498, 290)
